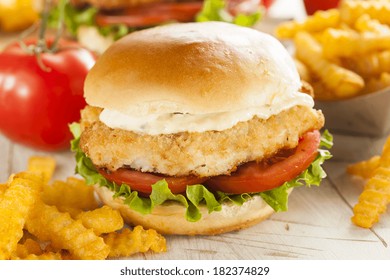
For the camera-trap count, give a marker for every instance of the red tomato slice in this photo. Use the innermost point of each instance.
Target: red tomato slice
(142, 182)
(152, 14)
(258, 177)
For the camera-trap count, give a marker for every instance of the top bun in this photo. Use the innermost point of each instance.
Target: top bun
(194, 68)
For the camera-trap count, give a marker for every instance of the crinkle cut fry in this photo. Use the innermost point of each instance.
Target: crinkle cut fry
(373, 200)
(15, 204)
(139, 240)
(365, 168)
(48, 224)
(366, 24)
(342, 43)
(318, 22)
(43, 256)
(342, 82)
(375, 197)
(350, 11)
(3, 187)
(42, 165)
(70, 194)
(29, 247)
(102, 220)
(370, 65)
(374, 84)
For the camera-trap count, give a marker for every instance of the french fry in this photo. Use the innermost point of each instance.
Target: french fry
(385, 157)
(373, 200)
(364, 169)
(320, 91)
(73, 212)
(139, 240)
(3, 187)
(346, 27)
(29, 247)
(354, 42)
(32, 230)
(48, 224)
(102, 220)
(375, 84)
(43, 165)
(342, 43)
(72, 195)
(340, 81)
(375, 197)
(350, 11)
(15, 205)
(43, 256)
(366, 24)
(369, 65)
(318, 22)
(24, 177)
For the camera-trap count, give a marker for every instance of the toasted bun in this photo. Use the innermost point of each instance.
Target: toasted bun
(194, 68)
(170, 219)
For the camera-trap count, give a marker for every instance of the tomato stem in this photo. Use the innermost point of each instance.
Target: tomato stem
(42, 29)
(41, 45)
(60, 27)
(41, 64)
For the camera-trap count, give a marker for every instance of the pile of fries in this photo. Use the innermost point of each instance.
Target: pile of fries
(63, 220)
(375, 197)
(343, 52)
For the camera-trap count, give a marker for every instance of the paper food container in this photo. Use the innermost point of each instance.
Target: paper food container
(366, 115)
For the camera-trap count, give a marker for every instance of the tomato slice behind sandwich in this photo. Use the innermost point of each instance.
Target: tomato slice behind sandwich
(152, 14)
(254, 177)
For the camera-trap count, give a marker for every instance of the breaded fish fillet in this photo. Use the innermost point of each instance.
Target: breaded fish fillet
(204, 154)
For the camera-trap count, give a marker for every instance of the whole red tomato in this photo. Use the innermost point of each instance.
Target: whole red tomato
(37, 103)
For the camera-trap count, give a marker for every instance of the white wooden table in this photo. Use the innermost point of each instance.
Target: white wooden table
(317, 225)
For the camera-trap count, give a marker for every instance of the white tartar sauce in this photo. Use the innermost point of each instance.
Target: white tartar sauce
(182, 121)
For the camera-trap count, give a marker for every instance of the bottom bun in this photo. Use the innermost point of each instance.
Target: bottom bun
(170, 219)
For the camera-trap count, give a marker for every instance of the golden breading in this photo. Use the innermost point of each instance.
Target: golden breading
(202, 154)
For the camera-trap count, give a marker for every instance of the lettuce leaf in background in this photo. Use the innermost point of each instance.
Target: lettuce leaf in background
(74, 18)
(197, 195)
(217, 10)
(212, 10)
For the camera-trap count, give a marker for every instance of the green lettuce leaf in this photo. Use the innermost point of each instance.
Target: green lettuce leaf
(197, 195)
(216, 10)
(74, 18)
(212, 10)
(312, 176)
